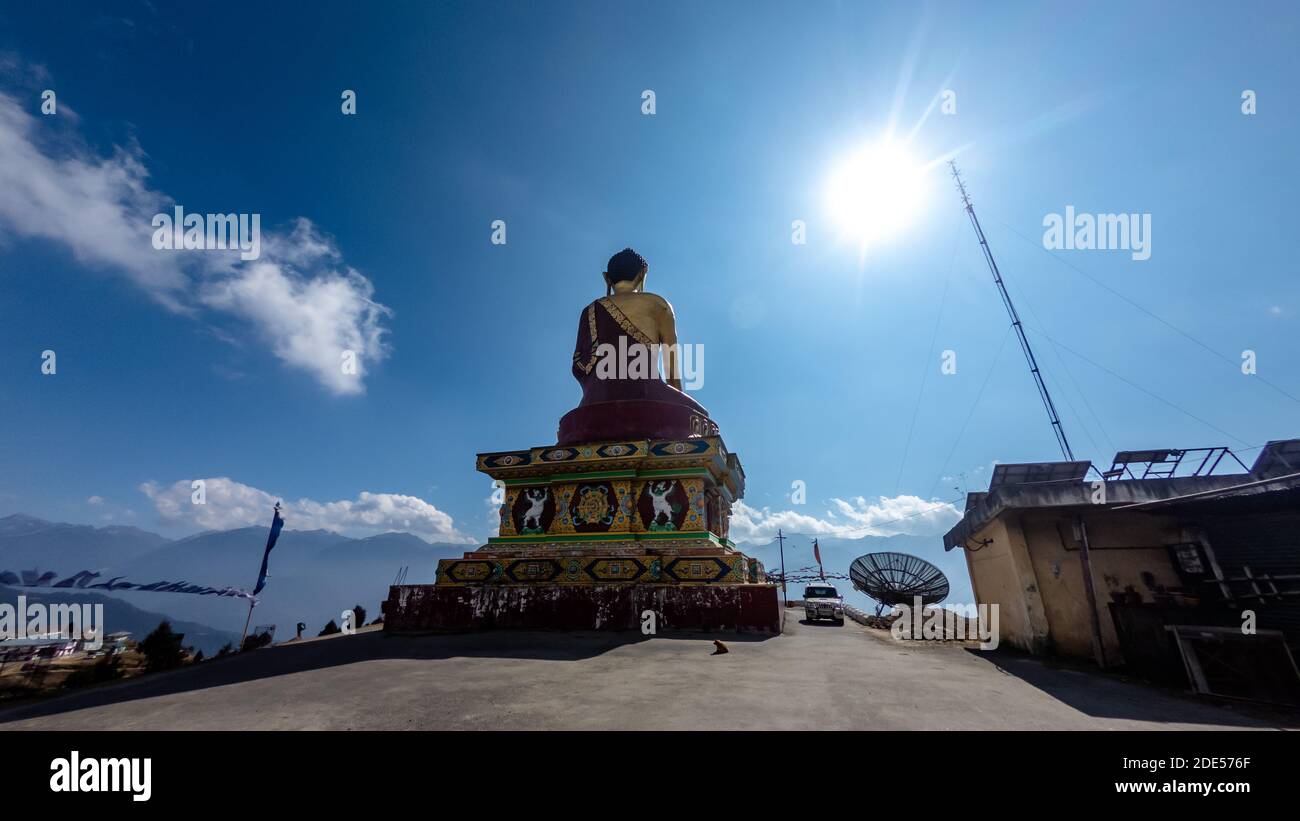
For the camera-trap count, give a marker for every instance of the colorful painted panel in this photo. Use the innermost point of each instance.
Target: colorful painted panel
(599, 570)
(696, 512)
(625, 517)
(533, 570)
(617, 450)
(560, 455)
(468, 571)
(563, 524)
(701, 569)
(511, 459)
(533, 510)
(593, 507)
(689, 447)
(663, 505)
(615, 570)
(507, 524)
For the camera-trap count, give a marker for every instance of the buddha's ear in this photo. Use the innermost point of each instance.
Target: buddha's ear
(609, 286)
(640, 281)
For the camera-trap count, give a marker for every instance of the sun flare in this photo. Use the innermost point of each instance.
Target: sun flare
(876, 192)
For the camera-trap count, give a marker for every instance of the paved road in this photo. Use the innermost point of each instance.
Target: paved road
(812, 677)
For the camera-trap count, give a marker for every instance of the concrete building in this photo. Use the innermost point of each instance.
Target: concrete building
(1107, 567)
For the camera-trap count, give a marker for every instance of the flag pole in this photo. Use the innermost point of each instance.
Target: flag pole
(251, 604)
(276, 524)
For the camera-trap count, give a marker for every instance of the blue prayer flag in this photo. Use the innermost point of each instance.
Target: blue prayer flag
(276, 524)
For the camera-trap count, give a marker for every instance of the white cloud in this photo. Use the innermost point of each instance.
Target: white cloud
(230, 504)
(95, 500)
(308, 321)
(299, 297)
(100, 208)
(851, 519)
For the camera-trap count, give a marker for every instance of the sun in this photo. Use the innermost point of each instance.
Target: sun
(876, 192)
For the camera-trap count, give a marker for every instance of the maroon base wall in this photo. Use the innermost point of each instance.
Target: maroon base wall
(633, 419)
(422, 608)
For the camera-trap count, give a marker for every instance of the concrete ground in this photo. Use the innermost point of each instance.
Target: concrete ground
(814, 676)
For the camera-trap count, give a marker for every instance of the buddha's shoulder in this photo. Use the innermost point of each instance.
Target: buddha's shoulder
(647, 298)
(637, 300)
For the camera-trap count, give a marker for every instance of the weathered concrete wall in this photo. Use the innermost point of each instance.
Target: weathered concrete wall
(425, 608)
(1130, 561)
(1032, 570)
(1001, 573)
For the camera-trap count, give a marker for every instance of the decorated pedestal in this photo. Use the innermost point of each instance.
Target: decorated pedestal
(610, 535)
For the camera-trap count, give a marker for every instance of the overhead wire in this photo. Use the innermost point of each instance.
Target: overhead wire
(970, 413)
(1070, 375)
(925, 371)
(1135, 385)
(1150, 313)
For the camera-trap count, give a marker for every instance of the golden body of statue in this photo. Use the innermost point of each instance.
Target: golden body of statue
(630, 406)
(652, 315)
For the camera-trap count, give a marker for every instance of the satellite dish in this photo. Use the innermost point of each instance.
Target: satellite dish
(897, 578)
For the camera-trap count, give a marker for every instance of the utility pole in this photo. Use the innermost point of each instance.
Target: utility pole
(780, 537)
(1057, 429)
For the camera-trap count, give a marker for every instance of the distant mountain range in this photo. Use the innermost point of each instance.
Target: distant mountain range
(27, 542)
(314, 574)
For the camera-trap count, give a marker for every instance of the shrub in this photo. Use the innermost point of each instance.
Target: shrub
(255, 641)
(162, 648)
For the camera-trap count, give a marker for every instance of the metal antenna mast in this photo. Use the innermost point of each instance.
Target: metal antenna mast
(1015, 319)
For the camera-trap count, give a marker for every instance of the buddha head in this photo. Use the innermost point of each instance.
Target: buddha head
(626, 266)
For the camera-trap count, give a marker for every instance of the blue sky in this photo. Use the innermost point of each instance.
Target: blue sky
(170, 370)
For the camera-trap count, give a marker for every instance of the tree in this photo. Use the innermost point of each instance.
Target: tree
(330, 629)
(162, 648)
(226, 649)
(256, 641)
(358, 616)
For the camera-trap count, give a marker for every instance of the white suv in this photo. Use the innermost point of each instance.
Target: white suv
(822, 601)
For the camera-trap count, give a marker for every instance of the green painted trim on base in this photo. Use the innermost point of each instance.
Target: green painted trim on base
(561, 478)
(676, 472)
(551, 478)
(694, 535)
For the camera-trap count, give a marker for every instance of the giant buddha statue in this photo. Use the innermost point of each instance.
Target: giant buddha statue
(616, 361)
(625, 518)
